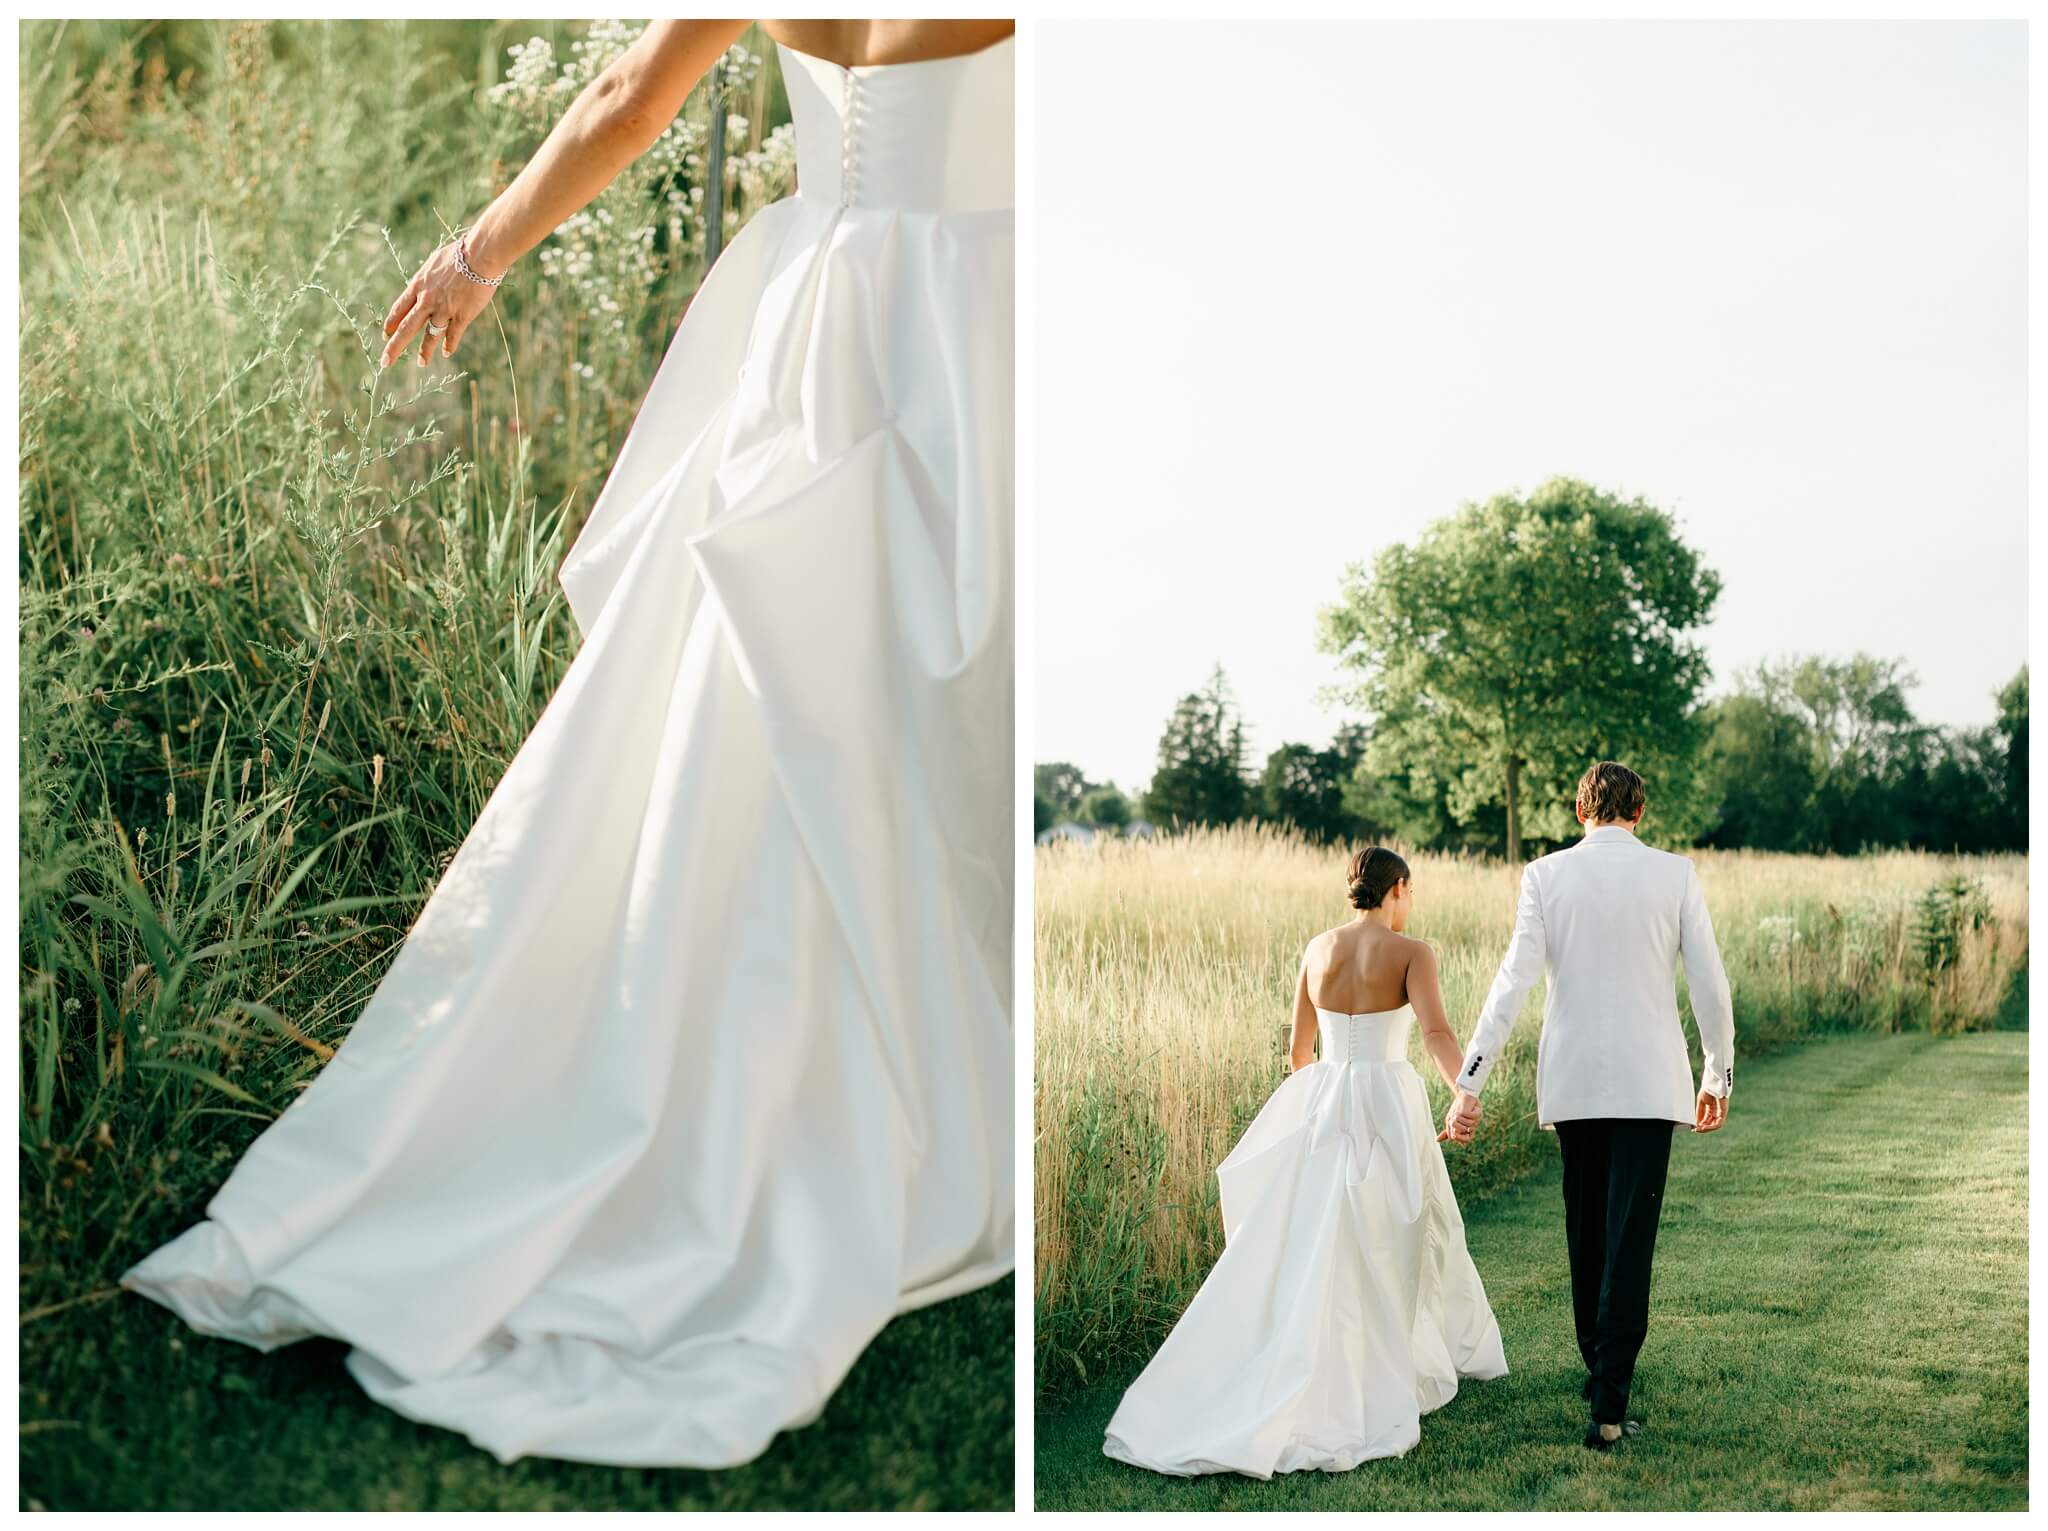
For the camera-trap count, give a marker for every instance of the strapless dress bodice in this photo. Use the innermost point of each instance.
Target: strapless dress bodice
(937, 135)
(1380, 1036)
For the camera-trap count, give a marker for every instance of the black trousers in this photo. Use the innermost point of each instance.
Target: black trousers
(1613, 1192)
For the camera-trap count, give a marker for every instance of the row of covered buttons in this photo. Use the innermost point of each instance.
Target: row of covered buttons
(851, 109)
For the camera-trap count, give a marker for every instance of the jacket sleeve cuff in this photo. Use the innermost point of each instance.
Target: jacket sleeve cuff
(1473, 1070)
(1719, 1081)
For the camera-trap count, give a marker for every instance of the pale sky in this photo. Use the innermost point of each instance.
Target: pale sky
(1302, 288)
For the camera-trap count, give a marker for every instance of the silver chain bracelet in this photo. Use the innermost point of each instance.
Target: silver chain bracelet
(462, 265)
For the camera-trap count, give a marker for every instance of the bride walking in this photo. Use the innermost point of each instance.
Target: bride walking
(1344, 1306)
(696, 1067)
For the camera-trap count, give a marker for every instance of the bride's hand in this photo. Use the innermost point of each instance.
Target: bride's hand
(1461, 1117)
(439, 293)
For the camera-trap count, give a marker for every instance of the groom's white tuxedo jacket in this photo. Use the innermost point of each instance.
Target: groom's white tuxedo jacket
(1609, 919)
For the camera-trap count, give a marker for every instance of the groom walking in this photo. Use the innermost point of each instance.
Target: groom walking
(1608, 919)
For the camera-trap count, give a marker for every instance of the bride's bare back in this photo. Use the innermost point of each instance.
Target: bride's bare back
(857, 43)
(1363, 968)
(1359, 968)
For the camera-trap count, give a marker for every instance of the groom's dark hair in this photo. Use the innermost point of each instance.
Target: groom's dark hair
(1610, 790)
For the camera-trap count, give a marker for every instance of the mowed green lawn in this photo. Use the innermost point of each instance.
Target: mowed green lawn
(1838, 1319)
(123, 1408)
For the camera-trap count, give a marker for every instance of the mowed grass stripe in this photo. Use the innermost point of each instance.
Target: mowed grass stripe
(1838, 1320)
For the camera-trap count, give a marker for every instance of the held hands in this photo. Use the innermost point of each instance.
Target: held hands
(438, 294)
(1460, 1118)
(1709, 1112)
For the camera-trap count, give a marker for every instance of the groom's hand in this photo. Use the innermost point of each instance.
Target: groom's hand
(1709, 1112)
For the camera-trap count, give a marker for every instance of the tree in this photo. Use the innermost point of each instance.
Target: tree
(1311, 788)
(1759, 772)
(1863, 739)
(1106, 808)
(2012, 730)
(1297, 788)
(1062, 786)
(1519, 641)
(1201, 778)
(1816, 754)
(1948, 795)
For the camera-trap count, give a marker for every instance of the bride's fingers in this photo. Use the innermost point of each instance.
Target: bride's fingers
(409, 324)
(405, 300)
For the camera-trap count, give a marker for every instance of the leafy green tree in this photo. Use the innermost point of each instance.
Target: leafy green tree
(1759, 771)
(1518, 641)
(1106, 808)
(1817, 754)
(1864, 740)
(1311, 788)
(1062, 786)
(1200, 778)
(2012, 730)
(1042, 815)
(1949, 793)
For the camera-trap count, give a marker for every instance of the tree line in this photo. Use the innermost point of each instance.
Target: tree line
(1521, 639)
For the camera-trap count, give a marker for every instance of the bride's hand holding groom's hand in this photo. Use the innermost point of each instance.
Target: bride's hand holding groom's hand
(1461, 1117)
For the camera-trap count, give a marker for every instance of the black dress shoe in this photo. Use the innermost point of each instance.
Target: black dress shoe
(1599, 1442)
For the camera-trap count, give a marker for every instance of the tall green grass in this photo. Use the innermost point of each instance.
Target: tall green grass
(285, 616)
(1164, 988)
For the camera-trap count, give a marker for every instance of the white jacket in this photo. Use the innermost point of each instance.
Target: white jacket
(1608, 919)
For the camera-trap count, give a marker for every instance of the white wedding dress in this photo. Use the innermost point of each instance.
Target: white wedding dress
(1344, 1306)
(696, 1067)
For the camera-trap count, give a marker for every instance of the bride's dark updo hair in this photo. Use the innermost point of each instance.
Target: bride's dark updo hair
(1374, 871)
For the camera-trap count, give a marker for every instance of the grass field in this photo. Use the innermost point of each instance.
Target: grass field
(1164, 980)
(1838, 1319)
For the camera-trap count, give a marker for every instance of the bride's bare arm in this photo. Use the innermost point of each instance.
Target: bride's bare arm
(1301, 1051)
(613, 121)
(1427, 997)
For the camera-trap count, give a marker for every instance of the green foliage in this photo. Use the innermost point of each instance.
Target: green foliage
(1063, 795)
(1945, 918)
(1759, 767)
(1311, 788)
(1945, 914)
(1518, 641)
(1060, 787)
(1200, 778)
(1826, 755)
(2012, 733)
(1106, 808)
